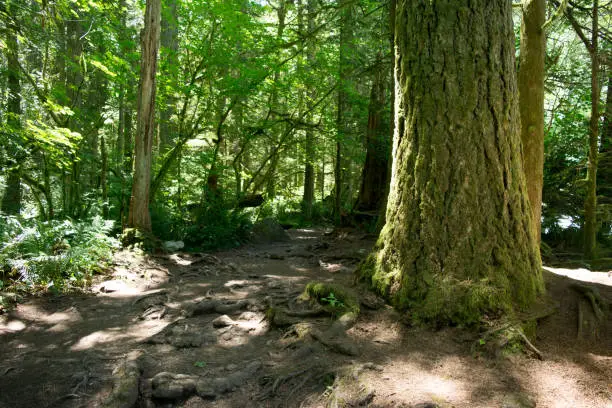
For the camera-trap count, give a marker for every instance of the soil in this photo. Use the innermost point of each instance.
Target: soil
(194, 330)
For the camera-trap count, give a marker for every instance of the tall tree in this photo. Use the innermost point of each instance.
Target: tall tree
(169, 42)
(531, 102)
(458, 239)
(140, 216)
(590, 201)
(374, 177)
(346, 39)
(309, 174)
(11, 200)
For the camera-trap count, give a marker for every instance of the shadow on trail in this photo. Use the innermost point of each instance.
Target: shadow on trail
(61, 351)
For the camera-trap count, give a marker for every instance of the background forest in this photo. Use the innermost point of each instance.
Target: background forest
(262, 109)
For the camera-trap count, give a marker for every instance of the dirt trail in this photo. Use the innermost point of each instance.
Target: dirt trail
(195, 331)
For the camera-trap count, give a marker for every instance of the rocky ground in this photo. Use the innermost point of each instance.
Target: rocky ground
(233, 329)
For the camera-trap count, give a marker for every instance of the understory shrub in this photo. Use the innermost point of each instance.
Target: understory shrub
(216, 226)
(55, 254)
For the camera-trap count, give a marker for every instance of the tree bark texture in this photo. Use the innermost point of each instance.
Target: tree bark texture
(140, 217)
(11, 199)
(604, 176)
(346, 39)
(374, 176)
(309, 173)
(590, 202)
(458, 241)
(169, 40)
(531, 103)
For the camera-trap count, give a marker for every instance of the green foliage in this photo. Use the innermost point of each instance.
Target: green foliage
(334, 298)
(288, 211)
(208, 226)
(55, 255)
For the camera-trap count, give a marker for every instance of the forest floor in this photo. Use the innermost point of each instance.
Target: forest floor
(190, 330)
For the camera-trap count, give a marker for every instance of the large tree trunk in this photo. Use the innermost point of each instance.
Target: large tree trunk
(140, 217)
(374, 176)
(531, 102)
(11, 200)
(458, 241)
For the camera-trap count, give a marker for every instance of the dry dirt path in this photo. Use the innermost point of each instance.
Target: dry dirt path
(193, 328)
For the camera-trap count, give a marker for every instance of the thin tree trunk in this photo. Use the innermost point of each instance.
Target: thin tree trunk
(11, 200)
(346, 37)
(139, 216)
(169, 57)
(382, 217)
(590, 203)
(309, 174)
(103, 173)
(374, 175)
(604, 175)
(457, 242)
(531, 103)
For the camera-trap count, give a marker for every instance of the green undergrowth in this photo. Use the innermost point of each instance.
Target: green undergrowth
(333, 298)
(53, 255)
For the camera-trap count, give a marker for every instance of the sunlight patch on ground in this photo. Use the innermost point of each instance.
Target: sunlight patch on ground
(423, 385)
(12, 326)
(582, 274)
(138, 332)
(565, 391)
(180, 261)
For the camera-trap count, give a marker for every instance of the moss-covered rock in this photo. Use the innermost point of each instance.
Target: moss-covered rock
(333, 298)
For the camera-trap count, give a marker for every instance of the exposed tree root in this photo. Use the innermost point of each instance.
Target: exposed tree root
(274, 383)
(125, 389)
(513, 328)
(592, 295)
(215, 306)
(171, 386)
(161, 296)
(530, 345)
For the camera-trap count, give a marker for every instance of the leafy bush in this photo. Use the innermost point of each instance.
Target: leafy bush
(54, 254)
(216, 226)
(290, 212)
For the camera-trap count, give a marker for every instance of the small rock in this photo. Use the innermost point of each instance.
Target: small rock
(277, 257)
(223, 321)
(268, 231)
(231, 367)
(173, 246)
(112, 286)
(173, 386)
(249, 316)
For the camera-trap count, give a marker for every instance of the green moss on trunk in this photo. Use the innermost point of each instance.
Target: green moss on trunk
(458, 241)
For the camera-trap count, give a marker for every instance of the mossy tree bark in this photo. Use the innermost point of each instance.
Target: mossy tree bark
(139, 216)
(11, 199)
(309, 174)
(531, 102)
(590, 202)
(346, 42)
(458, 241)
(169, 41)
